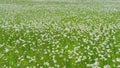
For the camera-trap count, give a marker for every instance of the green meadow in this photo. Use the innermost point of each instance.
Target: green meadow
(59, 34)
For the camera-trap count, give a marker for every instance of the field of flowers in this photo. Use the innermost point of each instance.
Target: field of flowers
(59, 34)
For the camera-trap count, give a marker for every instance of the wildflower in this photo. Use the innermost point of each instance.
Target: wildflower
(107, 66)
(118, 59)
(46, 63)
(6, 50)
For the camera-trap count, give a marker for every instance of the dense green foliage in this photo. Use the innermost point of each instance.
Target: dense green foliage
(59, 33)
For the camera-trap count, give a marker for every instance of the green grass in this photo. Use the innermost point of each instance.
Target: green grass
(59, 34)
